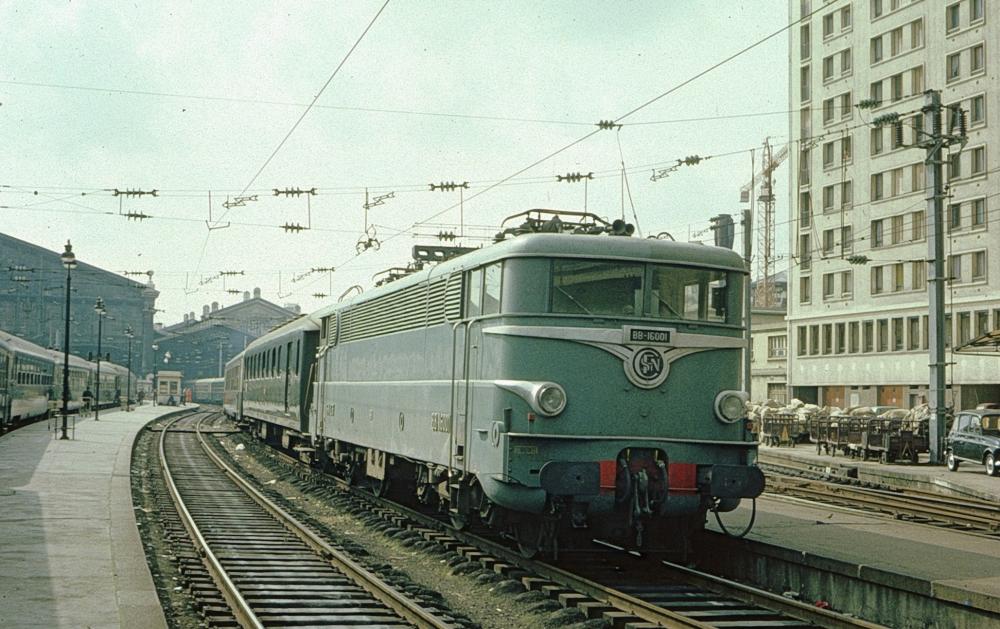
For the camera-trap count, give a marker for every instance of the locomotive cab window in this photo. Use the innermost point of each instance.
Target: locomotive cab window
(482, 294)
(592, 287)
(689, 293)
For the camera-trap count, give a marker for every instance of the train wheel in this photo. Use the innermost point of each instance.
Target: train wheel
(459, 521)
(528, 535)
(380, 486)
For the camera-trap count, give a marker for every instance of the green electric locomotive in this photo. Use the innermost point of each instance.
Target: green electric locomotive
(560, 386)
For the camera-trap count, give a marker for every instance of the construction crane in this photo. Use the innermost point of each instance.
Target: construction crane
(764, 294)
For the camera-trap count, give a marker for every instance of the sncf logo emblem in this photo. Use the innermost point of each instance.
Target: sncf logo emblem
(647, 363)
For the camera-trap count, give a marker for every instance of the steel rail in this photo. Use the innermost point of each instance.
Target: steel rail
(887, 502)
(645, 610)
(370, 582)
(240, 608)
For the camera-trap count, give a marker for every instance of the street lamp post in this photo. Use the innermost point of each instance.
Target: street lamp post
(156, 385)
(129, 334)
(68, 261)
(101, 311)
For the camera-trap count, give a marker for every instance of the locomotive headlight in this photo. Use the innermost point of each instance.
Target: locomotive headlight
(730, 406)
(544, 398)
(551, 398)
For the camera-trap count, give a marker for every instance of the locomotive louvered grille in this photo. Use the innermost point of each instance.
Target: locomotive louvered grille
(409, 309)
(453, 299)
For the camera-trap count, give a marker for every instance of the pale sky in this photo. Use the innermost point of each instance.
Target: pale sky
(191, 98)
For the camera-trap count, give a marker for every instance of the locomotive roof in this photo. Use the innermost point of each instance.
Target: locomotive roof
(564, 245)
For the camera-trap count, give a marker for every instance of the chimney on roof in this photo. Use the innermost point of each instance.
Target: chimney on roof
(185, 317)
(204, 312)
(215, 306)
(246, 295)
(256, 293)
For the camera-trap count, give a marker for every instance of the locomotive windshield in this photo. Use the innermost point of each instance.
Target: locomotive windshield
(660, 291)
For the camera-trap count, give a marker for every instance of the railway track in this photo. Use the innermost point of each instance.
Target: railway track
(267, 568)
(965, 514)
(610, 584)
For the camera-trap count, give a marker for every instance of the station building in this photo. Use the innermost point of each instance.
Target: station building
(32, 304)
(201, 347)
(858, 333)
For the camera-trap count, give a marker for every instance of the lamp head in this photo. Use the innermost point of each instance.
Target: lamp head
(67, 257)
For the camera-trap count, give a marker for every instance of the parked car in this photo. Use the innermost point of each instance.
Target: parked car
(975, 437)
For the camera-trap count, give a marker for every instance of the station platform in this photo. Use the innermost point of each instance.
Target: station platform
(70, 552)
(925, 562)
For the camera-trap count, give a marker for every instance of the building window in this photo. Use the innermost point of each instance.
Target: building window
(954, 66)
(978, 265)
(846, 238)
(846, 110)
(917, 220)
(805, 290)
(827, 286)
(876, 8)
(813, 340)
(845, 62)
(804, 81)
(853, 342)
(897, 229)
(875, 92)
(979, 160)
(828, 111)
(828, 68)
(917, 83)
(878, 287)
(918, 275)
(869, 337)
(877, 234)
(845, 18)
(896, 41)
(982, 322)
(952, 17)
(846, 283)
(805, 253)
(897, 277)
(883, 335)
(896, 87)
(913, 325)
(954, 166)
(947, 330)
(964, 327)
(977, 109)
(917, 173)
(805, 45)
(827, 25)
(846, 149)
(803, 341)
(876, 140)
(978, 214)
(827, 338)
(776, 346)
(828, 154)
(827, 198)
(876, 49)
(954, 216)
(840, 335)
(916, 34)
(897, 334)
(955, 269)
(976, 12)
(897, 181)
(977, 61)
(846, 194)
(828, 242)
(805, 209)
(878, 190)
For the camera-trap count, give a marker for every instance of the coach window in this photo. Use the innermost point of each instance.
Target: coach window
(492, 277)
(474, 294)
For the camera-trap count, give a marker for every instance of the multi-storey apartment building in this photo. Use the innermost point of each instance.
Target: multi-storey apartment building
(858, 333)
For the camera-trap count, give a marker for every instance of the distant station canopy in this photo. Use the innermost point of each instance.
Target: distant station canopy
(986, 345)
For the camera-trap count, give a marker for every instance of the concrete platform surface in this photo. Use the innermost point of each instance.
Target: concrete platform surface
(70, 554)
(947, 565)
